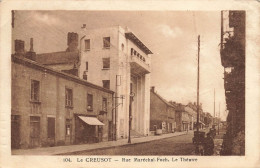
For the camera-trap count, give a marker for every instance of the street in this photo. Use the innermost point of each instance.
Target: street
(179, 145)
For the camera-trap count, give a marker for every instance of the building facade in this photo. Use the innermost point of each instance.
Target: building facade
(115, 58)
(162, 114)
(192, 116)
(232, 52)
(182, 118)
(50, 107)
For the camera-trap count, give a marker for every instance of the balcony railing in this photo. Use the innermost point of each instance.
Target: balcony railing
(139, 63)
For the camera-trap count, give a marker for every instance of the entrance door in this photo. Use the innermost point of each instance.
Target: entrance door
(110, 131)
(15, 131)
(68, 137)
(51, 130)
(34, 131)
(100, 133)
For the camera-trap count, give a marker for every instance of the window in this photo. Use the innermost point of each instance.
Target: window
(90, 102)
(106, 63)
(86, 66)
(104, 104)
(106, 84)
(51, 127)
(87, 44)
(68, 97)
(106, 42)
(35, 90)
(132, 51)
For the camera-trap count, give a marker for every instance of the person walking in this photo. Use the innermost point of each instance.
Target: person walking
(208, 145)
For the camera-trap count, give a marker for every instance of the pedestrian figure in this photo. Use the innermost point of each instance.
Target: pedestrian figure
(208, 145)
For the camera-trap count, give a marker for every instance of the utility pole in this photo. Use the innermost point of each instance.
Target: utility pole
(197, 134)
(214, 110)
(218, 118)
(198, 83)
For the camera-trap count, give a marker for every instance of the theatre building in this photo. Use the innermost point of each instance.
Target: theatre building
(50, 107)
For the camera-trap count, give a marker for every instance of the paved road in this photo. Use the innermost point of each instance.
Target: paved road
(179, 145)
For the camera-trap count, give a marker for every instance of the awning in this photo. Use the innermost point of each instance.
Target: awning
(200, 123)
(91, 120)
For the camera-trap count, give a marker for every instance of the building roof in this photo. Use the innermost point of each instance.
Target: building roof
(165, 101)
(134, 39)
(35, 65)
(61, 57)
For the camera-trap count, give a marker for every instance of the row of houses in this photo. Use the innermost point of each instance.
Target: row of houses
(171, 116)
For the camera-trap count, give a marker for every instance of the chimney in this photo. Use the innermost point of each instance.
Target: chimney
(152, 89)
(72, 42)
(83, 26)
(31, 44)
(31, 54)
(19, 47)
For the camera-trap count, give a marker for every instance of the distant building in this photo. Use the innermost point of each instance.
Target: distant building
(192, 116)
(182, 118)
(116, 59)
(50, 107)
(162, 114)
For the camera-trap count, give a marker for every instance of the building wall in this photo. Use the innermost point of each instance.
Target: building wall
(52, 103)
(120, 76)
(178, 118)
(159, 113)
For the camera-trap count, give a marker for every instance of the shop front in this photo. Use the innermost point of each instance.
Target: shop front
(88, 129)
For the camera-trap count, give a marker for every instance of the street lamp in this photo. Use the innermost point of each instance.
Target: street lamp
(132, 94)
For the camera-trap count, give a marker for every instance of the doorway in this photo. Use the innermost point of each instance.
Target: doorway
(15, 131)
(34, 131)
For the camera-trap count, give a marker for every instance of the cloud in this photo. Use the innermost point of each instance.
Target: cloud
(45, 18)
(167, 31)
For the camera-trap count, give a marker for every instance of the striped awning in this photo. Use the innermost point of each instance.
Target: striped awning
(91, 120)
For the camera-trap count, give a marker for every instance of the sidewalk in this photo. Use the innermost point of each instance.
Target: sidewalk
(83, 147)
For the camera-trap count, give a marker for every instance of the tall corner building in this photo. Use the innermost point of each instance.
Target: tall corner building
(116, 59)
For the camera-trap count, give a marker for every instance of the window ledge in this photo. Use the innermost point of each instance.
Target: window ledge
(105, 68)
(106, 48)
(87, 50)
(35, 102)
(90, 110)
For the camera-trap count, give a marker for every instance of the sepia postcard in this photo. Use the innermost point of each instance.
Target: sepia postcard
(130, 84)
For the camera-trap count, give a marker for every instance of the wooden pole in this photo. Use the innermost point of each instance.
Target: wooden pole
(214, 108)
(198, 83)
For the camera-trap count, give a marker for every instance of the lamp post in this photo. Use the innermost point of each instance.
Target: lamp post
(132, 94)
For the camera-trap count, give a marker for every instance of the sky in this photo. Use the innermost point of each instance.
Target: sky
(171, 35)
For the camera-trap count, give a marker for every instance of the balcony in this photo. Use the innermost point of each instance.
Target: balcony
(139, 67)
(139, 63)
